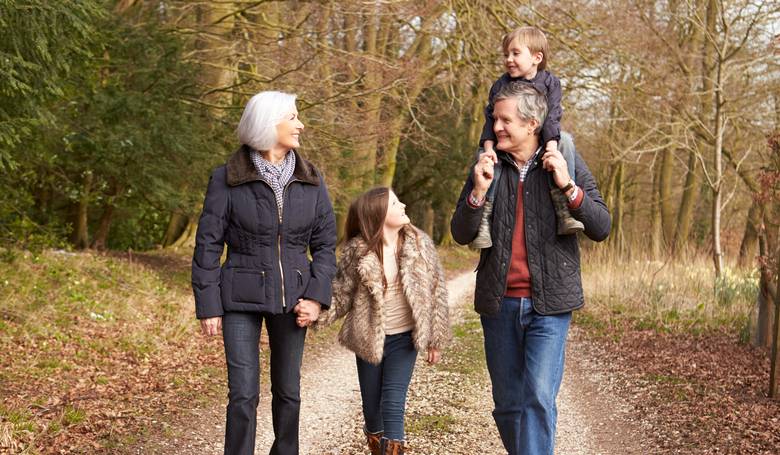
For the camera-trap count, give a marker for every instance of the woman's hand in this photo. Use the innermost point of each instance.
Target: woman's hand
(483, 172)
(434, 355)
(211, 326)
(308, 311)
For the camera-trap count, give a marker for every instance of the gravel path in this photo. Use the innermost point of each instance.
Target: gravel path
(449, 405)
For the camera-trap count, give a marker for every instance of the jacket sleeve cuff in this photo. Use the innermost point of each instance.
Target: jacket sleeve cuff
(208, 308)
(577, 202)
(472, 204)
(319, 292)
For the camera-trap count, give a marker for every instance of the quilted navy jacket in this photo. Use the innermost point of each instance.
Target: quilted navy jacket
(267, 267)
(554, 260)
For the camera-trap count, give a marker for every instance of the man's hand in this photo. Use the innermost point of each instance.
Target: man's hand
(483, 173)
(553, 161)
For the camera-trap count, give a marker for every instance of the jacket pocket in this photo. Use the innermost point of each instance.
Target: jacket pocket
(248, 286)
(302, 276)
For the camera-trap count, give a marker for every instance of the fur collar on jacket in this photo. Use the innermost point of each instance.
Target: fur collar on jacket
(358, 294)
(241, 170)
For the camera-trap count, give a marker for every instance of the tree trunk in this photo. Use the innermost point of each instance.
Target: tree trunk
(385, 171)
(215, 24)
(774, 369)
(665, 195)
(444, 228)
(616, 236)
(360, 170)
(187, 238)
(656, 229)
(720, 126)
(341, 222)
(80, 236)
(687, 204)
(717, 254)
(767, 294)
(428, 219)
(747, 248)
(104, 226)
(177, 224)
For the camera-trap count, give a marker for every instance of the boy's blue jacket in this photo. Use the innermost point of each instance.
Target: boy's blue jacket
(546, 84)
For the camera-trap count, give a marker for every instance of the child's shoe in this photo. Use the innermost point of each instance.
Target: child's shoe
(567, 224)
(373, 440)
(483, 239)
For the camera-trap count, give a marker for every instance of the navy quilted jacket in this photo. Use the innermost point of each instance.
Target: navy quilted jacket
(267, 267)
(554, 260)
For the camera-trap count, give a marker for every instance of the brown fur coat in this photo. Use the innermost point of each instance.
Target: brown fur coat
(358, 293)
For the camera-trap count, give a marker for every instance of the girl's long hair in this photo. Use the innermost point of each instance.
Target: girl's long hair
(366, 218)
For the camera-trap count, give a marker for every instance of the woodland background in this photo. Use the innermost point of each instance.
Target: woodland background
(113, 113)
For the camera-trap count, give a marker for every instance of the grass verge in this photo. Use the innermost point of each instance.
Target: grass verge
(672, 297)
(93, 347)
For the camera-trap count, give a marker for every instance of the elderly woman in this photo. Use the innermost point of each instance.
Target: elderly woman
(528, 282)
(271, 207)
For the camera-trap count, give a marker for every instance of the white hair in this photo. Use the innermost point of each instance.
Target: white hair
(531, 104)
(262, 113)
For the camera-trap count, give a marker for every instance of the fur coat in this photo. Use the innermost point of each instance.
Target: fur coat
(358, 293)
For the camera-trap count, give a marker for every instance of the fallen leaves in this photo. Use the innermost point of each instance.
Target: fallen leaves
(702, 394)
(75, 383)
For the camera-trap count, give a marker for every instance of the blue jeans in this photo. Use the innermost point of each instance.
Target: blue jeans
(241, 334)
(383, 387)
(565, 146)
(525, 355)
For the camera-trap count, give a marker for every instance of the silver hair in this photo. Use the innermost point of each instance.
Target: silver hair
(262, 113)
(531, 104)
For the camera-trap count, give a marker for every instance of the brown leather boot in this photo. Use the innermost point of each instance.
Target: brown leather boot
(391, 447)
(373, 441)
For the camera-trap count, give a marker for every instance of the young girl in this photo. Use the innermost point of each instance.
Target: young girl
(391, 287)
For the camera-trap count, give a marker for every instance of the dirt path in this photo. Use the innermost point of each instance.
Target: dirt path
(340, 373)
(457, 421)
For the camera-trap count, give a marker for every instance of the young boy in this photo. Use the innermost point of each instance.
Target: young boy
(525, 59)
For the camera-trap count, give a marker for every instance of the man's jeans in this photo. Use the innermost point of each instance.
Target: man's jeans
(241, 333)
(525, 354)
(383, 387)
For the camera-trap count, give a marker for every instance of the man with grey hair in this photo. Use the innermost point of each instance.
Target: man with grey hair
(528, 282)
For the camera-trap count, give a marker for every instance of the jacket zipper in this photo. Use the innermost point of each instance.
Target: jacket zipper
(279, 238)
(279, 255)
(279, 246)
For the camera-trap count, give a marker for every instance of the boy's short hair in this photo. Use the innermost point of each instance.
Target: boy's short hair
(531, 37)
